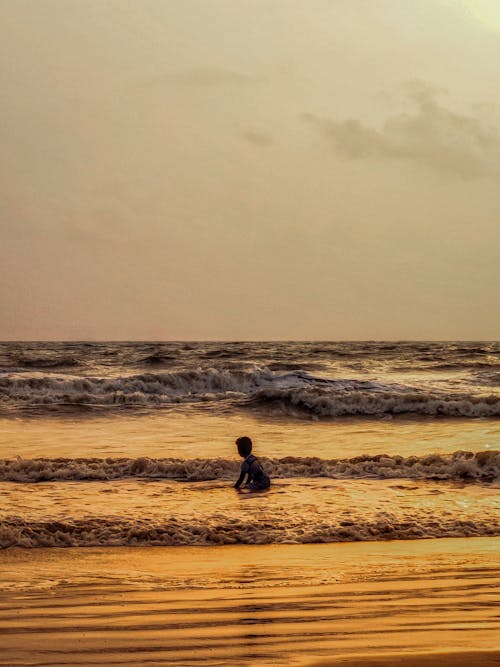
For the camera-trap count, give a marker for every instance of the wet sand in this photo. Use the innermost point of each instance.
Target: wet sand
(453, 659)
(424, 602)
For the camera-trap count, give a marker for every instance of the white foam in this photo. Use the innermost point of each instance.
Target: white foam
(461, 465)
(379, 401)
(259, 388)
(216, 530)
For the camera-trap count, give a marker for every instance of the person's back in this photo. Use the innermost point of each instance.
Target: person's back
(257, 478)
(251, 466)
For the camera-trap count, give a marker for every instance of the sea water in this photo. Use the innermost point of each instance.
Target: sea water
(124, 444)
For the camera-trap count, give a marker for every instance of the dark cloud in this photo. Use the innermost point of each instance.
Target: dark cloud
(430, 135)
(258, 138)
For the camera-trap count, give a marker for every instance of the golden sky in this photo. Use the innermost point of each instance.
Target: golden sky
(250, 169)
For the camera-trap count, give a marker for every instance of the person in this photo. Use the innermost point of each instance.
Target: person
(251, 466)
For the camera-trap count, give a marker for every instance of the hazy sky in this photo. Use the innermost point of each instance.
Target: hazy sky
(250, 169)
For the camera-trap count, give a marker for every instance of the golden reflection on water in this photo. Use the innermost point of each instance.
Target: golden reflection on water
(174, 434)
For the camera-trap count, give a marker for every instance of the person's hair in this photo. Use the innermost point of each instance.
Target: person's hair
(244, 445)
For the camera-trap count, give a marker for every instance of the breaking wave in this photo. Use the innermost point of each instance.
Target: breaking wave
(146, 389)
(328, 402)
(474, 467)
(215, 530)
(258, 388)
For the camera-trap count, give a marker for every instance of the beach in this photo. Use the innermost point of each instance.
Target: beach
(249, 352)
(395, 603)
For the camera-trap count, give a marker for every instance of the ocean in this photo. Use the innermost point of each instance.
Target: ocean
(132, 443)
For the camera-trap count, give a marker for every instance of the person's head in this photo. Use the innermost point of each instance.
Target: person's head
(244, 445)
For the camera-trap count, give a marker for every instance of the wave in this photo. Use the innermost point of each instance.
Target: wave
(224, 353)
(487, 378)
(469, 466)
(45, 361)
(141, 389)
(329, 402)
(215, 530)
(158, 358)
(453, 365)
(257, 388)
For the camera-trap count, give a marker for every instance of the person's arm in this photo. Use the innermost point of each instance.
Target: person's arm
(244, 470)
(240, 480)
(250, 474)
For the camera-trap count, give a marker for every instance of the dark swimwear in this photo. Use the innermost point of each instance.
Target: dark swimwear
(257, 478)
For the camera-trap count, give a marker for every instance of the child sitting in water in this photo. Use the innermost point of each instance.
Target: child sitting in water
(257, 478)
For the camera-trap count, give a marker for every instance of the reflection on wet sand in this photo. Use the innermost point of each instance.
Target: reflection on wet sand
(289, 605)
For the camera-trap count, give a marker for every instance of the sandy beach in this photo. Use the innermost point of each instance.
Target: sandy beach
(425, 602)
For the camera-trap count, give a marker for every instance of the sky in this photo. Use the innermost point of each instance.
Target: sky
(259, 169)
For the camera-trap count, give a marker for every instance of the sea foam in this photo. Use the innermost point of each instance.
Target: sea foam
(217, 530)
(252, 389)
(474, 467)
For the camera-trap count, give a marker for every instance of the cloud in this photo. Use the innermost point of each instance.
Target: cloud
(430, 135)
(209, 76)
(258, 138)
